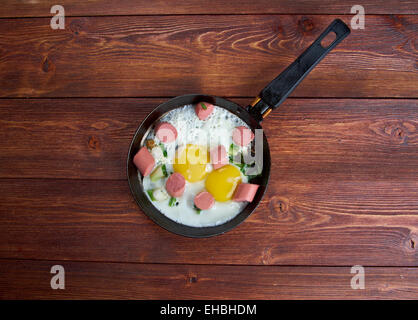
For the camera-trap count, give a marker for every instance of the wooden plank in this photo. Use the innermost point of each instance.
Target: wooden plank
(315, 139)
(21, 279)
(15, 8)
(226, 55)
(317, 222)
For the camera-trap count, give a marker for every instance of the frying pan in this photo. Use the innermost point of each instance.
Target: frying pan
(268, 99)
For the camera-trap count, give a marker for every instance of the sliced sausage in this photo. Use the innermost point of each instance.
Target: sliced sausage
(144, 161)
(203, 110)
(166, 132)
(175, 185)
(242, 136)
(204, 200)
(218, 157)
(245, 192)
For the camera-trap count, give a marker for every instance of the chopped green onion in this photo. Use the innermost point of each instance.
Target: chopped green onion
(164, 168)
(171, 202)
(203, 106)
(151, 194)
(197, 209)
(233, 150)
(242, 167)
(234, 154)
(157, 174)
(164, 150)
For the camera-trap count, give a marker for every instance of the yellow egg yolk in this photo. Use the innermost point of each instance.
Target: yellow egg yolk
(191, 162)
(221, 183)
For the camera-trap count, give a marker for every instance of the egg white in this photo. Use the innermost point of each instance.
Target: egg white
(215, 130)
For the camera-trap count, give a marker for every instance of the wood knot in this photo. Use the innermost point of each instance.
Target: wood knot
(266, 256)
(94, 143)
(193, 279)
(46, 64)
(306, 24)
(398, 132)
(278, 207)
(411, 243)
(397, 22)
(76, 26)
(281, 204)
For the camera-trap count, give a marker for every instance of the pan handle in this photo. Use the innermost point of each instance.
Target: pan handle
(277, 90)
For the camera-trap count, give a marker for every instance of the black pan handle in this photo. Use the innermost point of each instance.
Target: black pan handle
(277, 91)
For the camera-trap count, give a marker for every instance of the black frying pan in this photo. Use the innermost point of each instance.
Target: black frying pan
(268, 99)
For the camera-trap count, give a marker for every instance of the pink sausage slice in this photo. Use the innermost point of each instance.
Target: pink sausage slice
(242, 136)
(166, 132)
(175, 185)
(204, 200)
(245, 192)
(218, 157)
(203, 110)
(144, 161)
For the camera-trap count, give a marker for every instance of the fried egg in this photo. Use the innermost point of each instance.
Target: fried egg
(189, 155)
(191, 161)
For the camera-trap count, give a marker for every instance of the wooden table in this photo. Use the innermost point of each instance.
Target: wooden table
(344, 184)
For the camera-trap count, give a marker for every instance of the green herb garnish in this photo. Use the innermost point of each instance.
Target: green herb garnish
(237, 159)
(164, 150)
(151, 194)
(164, 168)
(197, 209)
(171, 202)
(242, 167)
(233, 149)
(203, 106)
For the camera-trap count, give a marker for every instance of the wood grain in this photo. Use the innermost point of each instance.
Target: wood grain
(16, 8)
(307, 223)
(30, 280)
(315, 139)
(344, 183)
(344, 186)
(224, 55)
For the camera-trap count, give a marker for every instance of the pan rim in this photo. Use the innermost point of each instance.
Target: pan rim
(158, 217)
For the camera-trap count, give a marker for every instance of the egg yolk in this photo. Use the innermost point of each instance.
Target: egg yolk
(191, 162)
(221, 183)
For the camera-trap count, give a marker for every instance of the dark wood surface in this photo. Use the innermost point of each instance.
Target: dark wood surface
(344, 185)
(19, 8)
(297, 223)
(310, 139)
(30, 279)
(233, 56)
